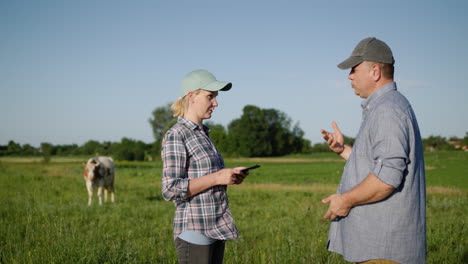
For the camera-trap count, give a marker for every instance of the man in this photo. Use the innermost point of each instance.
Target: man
(379, 211)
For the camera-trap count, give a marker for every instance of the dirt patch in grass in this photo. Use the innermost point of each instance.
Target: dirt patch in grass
(445, 190)
(332, 188)
(279, 187)
(286, 160)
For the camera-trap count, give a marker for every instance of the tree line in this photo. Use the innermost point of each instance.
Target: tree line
(256, 133)
(126, 149)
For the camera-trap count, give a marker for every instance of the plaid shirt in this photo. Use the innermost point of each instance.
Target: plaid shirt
(188, 153)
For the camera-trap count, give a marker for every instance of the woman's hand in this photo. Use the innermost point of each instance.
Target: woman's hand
(230, 176)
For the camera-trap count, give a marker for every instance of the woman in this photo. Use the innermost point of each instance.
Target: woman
(194, 177)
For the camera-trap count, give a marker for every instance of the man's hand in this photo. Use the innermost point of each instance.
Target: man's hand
(339, 207)
(370, 190)
(335, 140)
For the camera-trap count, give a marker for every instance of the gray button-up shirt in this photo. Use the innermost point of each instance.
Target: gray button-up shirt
(389, 146)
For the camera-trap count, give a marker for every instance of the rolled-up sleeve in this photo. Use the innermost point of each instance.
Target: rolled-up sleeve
(390, 147)
(174, 157)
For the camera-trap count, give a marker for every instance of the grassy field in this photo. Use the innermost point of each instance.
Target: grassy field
(44, 216)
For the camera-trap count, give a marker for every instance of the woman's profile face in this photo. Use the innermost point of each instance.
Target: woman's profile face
(203, 103)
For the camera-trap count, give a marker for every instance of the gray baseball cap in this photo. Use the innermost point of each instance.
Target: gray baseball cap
(369, 49)
(202, 79)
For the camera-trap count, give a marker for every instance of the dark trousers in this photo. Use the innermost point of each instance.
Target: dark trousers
(188, 253)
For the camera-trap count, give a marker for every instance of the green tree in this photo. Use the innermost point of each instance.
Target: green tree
(129, 149)
(3, 150)
(13, 148)
(264, 132)
(29, 150)
(161, 120)
(47, 150)
(306, 146)
(219, 136)
(321, 147)
(464, 141)
(249, 134)
(280, 135)
(91, 147)
(434, 143)
(299, 144)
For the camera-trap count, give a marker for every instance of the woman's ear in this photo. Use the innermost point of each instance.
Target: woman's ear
(190, 97)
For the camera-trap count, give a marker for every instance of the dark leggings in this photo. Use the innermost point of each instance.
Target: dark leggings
(188, 253)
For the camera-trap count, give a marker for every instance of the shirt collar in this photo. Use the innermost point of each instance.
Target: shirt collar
(191, 125)
(366, 104)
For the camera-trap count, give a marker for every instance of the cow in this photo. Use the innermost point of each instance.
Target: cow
(99, 172)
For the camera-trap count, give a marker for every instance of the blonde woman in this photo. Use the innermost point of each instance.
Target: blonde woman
(194, 175)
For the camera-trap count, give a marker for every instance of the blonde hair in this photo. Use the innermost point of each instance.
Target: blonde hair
(180, 106)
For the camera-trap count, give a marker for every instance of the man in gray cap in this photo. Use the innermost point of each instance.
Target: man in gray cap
(378, 214)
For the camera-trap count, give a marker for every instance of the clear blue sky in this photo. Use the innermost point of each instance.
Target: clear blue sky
(72, 71)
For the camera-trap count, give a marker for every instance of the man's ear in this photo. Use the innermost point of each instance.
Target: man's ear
(375, 71)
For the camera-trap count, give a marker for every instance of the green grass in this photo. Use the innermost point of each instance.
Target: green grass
(45, 218)
(447, 169)
(294, 173)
